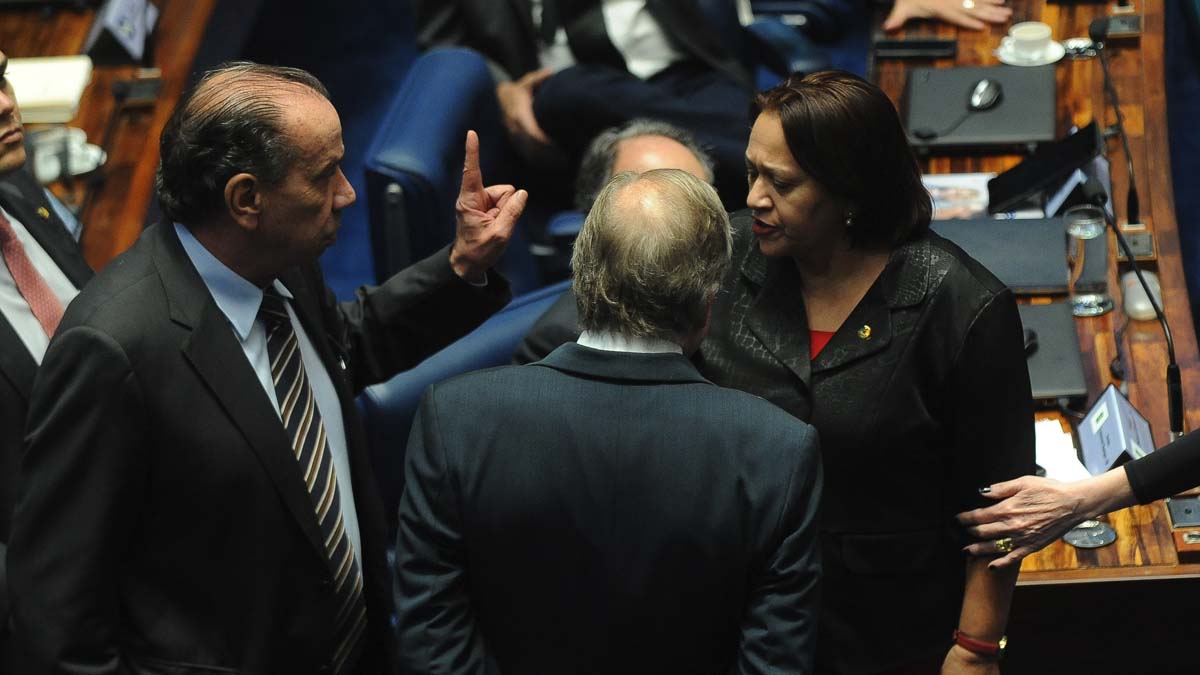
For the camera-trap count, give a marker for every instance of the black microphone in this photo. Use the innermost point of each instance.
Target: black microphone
(1098, 32)
(1094, 193)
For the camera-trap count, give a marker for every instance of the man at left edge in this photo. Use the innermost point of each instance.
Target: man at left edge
(179, 513)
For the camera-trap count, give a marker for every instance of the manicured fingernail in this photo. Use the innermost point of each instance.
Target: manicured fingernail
(985, 489)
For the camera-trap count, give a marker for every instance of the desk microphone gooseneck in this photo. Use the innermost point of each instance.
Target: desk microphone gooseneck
(1098, 32)
(1095, 195)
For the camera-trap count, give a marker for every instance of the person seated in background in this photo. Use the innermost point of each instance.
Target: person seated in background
(607, 509)
(973, 14)
(195, 493)
(638, 146)
(567, 69)
(41, 271)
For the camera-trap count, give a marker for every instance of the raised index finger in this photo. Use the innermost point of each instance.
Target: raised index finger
(472, 180)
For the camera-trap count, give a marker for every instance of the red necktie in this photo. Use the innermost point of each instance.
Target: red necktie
(42, 301)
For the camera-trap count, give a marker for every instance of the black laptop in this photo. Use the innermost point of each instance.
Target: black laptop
(1029, 255)
(935, 99)
(1055, 364)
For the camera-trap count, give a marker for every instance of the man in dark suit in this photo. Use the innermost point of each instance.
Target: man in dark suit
(40, 261)
(607, 509)
(195, 495)
(568, 69)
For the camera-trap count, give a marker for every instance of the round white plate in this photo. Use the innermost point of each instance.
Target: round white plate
(1053, 53)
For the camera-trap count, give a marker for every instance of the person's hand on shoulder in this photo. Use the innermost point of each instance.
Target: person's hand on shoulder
(973, 14)
(1034, 512)
(485, 219)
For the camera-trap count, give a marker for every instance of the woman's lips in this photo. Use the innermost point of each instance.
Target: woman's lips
(763, 229)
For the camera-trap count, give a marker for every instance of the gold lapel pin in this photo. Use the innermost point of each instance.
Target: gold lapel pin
(864, 333)
(43, 212)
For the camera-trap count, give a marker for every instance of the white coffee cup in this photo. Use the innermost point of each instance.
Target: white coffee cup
(1028, 40)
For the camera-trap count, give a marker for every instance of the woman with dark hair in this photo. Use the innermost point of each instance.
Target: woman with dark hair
(843, 308)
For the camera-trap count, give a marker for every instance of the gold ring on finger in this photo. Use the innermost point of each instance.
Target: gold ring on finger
(1004, 545)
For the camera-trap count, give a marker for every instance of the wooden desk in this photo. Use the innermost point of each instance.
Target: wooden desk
(1060, 622)
(114, 218)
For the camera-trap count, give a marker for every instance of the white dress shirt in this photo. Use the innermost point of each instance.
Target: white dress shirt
(631, 29)
(615, 342)
(239, 300)
(12, 303)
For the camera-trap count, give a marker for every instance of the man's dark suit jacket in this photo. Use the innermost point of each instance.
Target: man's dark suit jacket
(503, 31)
(603, 512)
(162, 523)
(21, 196)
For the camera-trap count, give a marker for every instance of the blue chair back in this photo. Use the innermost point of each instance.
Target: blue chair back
(417, 154)
(388, 408)
(414, 165)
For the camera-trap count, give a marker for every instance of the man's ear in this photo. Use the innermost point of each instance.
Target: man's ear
(243, 200)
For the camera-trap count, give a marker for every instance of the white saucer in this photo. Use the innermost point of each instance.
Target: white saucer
(1053, 53)
(84, 159)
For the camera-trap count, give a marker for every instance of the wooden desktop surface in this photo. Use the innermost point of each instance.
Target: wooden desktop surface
(114, 216)
(1144, 546)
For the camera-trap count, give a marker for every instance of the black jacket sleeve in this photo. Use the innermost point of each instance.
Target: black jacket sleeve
(65, 555)
(1171, 469)
(437, 626)
(779, 629)
(392, 327)
(991, 422)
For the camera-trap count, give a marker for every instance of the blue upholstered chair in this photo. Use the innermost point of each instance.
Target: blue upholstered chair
(388, 408)
(414, 164)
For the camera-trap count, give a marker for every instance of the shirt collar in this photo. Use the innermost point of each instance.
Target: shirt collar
(615, 342)
(237, 298)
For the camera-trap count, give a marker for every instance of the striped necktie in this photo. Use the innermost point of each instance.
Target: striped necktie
(302, 421)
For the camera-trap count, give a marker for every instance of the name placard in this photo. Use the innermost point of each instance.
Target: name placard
(121, 32)
(1113, 431)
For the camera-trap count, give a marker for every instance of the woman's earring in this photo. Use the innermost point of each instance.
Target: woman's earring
(849, 219)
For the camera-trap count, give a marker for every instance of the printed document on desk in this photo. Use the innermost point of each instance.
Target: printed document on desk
(1056, 452)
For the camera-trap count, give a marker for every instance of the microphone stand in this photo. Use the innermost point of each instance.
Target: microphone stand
(1174, 380)
(1098, 31)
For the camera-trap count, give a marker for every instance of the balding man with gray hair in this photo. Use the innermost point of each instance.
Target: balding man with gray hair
(195, 493)
(607, 509)
(640, 145)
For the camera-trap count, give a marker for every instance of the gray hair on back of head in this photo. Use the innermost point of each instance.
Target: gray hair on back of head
(651, 255)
